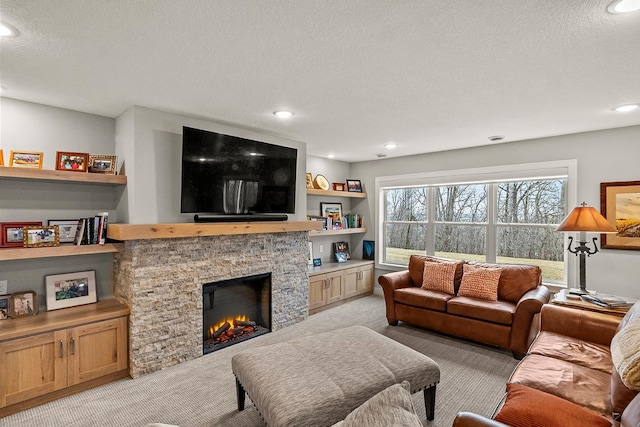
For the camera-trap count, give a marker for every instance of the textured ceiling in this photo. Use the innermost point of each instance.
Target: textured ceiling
(429, 75)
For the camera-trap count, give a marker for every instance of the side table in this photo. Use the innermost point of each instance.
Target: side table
(561, 299)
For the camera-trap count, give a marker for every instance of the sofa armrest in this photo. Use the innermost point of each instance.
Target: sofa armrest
(580, 324)
(389, 283)
(469, 419)
(528, 306)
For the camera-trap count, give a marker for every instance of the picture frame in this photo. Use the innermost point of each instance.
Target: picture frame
(354, 186)
(23, 304)
(71, 289)
(1, 158)
(12, 233)
(317, 262)
(66, 229)
(71, 162)
(309, 180)
(310, 254)
(26, 159)
(331, 210)
(369, 249)
(4, 306)
(620, 205)
(338, 186)
(40, 236)
(102, 163)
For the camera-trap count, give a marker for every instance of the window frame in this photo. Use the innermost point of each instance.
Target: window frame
(488, 175)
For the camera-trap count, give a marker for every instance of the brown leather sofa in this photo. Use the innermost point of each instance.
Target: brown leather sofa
(571, 359)
(504, 323)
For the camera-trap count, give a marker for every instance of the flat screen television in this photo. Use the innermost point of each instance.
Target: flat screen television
(223, 174)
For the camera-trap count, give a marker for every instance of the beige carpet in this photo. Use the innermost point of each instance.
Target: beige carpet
(201, 392)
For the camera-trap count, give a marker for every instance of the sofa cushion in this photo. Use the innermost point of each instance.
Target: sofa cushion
(422, 298)
(528, 407)
(490, 311)
(390, 407)
(625, 352)
(416, 268)
(439, 276)
(578, 384)
(479, 282)
(574, 350)
(515, 280)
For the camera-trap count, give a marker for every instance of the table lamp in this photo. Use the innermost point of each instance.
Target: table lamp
(584, 219)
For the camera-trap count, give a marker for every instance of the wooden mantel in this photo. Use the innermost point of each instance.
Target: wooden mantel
(177, 230)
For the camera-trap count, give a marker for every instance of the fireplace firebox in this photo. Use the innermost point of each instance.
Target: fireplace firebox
(235, 310)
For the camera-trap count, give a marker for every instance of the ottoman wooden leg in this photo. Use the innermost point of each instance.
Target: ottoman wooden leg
(430, 402)
(240, 394)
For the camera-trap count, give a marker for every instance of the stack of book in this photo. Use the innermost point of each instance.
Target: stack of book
(92, 231)
(608, 301)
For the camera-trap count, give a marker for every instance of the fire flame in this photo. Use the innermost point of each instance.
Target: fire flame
(215, 327)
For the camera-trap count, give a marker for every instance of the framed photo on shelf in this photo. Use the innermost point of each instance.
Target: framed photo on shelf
(338, 186)
(354, 186)
(66, 228)
(102, 164)
(26, 159)
(22, 304)
(4, 306)
(1, 158)
(331, 210)
(620, 205)
(71, 162)
(71, 289)
(12, 233)
(40, 236)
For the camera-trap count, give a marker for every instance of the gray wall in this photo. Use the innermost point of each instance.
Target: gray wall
(602, 156)
(33, 127)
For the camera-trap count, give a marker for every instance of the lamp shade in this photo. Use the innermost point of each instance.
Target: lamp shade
(587, 219)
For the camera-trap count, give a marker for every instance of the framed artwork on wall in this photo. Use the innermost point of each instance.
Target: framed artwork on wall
(620, 205)
(331, 210)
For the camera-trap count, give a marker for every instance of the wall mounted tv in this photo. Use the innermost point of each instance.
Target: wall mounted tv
(228, 175)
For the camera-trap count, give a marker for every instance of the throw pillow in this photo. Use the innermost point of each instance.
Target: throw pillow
(439, 276)
(391, 407)
(479, 282)
(528, 407)
(625, 354)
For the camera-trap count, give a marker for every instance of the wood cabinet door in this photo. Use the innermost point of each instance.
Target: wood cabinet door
(365, 283)
(97, 349)
(351, 282)
(32, 367)
(336, 288)
(317, 291)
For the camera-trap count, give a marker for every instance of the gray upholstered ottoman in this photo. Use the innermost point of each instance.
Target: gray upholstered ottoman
(318, 380)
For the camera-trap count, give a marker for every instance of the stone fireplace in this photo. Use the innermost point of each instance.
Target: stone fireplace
(161, 280)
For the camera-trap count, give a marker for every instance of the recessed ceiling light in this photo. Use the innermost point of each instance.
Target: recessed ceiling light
(626, 108)
(283, 114)
(331, 156)
(390, 145)
(624, 6)
(7, 30)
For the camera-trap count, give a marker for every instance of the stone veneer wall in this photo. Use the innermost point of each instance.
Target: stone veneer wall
(161, 281)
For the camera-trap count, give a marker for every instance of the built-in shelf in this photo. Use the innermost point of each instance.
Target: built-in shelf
(176, 230)
(56, 175)
(317, 192)
(9, 254)
(316, 233)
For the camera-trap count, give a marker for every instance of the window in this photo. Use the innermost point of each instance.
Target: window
(504, 217)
